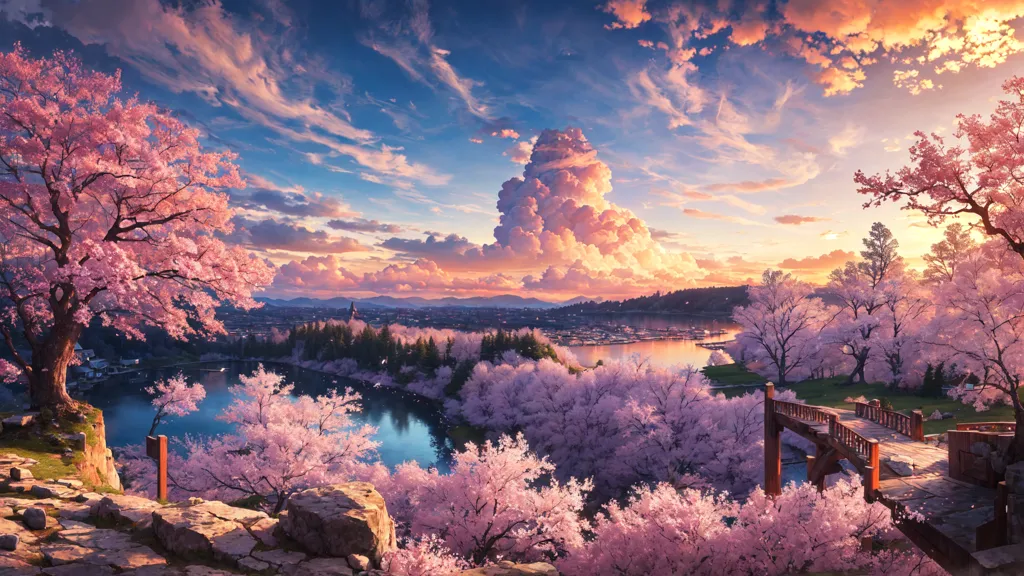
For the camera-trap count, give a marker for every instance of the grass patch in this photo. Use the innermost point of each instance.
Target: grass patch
(731, 375)
(833, 392)
(33, 442)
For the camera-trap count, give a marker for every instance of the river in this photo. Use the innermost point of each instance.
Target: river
(660, 352)
(408, 428)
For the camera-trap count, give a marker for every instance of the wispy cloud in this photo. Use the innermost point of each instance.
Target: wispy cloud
(411, 45)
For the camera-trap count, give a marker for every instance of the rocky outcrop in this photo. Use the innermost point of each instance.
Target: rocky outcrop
(340, 520)
(345, 529)
(205, 530)
(96, 467)
(512, 569)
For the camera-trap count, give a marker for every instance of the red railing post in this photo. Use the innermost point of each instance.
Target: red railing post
(917, 425)
(156, 448)
(871, 481)
(772, 445)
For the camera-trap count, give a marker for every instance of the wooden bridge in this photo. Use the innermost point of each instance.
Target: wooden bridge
(959, 519)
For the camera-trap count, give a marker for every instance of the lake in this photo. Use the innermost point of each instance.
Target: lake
(408, 428)
(660, 352)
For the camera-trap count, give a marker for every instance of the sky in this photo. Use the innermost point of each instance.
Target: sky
(551, 149)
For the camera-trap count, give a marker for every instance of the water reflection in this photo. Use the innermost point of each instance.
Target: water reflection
(408, 428)
(661, 352)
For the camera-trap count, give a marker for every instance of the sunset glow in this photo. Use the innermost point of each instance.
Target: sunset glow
(549, 149)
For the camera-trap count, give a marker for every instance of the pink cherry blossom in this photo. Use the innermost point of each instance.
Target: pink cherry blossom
(280, 444)
(174, 397)
(108, 212)
(780, 328)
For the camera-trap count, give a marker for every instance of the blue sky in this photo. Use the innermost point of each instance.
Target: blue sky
(714, 139)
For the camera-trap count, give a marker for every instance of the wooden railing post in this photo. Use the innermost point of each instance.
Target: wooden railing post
(156, 448)
(871, 481)
(772, 445)
(917, 426)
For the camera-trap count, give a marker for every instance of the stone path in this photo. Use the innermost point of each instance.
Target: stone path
(79, 533)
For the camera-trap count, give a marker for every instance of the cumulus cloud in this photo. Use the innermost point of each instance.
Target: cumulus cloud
(796, 220)
(555, 218)
(326, 275)
(520, 152)
(364, 225)
(628, 13)
(828, 261)
(506, 133)
(839, 41)
(432, 246)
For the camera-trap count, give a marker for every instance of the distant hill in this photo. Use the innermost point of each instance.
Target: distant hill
(718, 301)
(503, 301)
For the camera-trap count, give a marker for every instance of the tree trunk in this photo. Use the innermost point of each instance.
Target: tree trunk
(1016, 450)
(50, 367)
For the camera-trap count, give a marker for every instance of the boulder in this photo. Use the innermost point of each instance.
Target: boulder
(207, 530)
(34, 518)
(9, 542)
(358, 562)
(20, 420)
(19, 474)
(507, 568)
(900, 464)
(123, 509)
(340, 520)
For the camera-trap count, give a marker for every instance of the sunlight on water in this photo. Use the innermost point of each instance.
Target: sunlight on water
(408, 428)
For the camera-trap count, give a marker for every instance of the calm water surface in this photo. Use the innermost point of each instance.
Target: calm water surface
(407, 428)
(661, 352)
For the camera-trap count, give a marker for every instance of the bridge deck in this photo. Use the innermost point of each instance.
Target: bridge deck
(952, 510)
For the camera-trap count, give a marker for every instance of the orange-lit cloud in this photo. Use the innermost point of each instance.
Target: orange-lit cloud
(796, 220)
(828, 261)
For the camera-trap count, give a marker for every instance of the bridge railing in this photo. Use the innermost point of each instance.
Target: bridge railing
(864, 448)
(911, 426)
(803, 411)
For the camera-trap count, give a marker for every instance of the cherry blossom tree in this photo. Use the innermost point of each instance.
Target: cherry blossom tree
(500, 501)
(426, 556)
(718, 358)
(664, 531)
(174, 397)
(108, 209)
(905, 308)
(979, 324)
(280, 444)
(979, 178)
(858, 286)
(780, 325)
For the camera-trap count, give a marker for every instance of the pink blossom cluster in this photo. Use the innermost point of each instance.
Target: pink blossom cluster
(280, 444)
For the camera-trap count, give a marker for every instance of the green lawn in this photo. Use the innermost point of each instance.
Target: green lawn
(833, 393)
(731, 374)
(30, 443)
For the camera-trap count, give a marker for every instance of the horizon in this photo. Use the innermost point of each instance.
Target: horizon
(679, 145)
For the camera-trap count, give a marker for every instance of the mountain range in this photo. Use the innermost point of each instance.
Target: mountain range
(503, 301)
